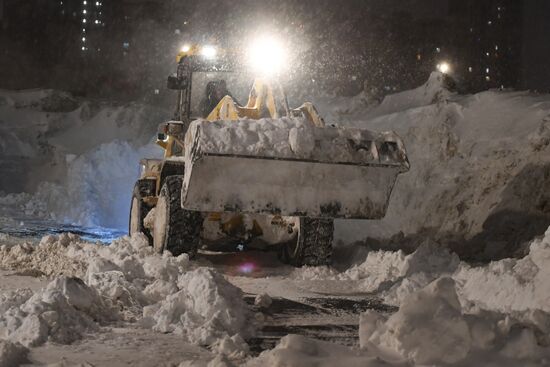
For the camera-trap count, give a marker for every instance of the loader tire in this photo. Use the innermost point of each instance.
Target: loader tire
(139, 209)
(313, 246)
(176, 229)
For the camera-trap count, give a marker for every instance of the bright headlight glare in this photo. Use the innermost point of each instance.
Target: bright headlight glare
(444, 67)
(185, 48)
(209, 52)
(267, 55)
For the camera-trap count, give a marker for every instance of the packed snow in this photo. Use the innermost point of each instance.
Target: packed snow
(284, 138)
(12, 354)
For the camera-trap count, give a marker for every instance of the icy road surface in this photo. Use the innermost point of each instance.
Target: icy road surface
(16, 223)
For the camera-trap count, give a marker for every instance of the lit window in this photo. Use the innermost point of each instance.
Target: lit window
(489, 22)
(487, 70)
(84, 20)
(83, 48)
(496, 47)
(83, 39)
(97, 3)
(84, 11)
(84, 2)
(470, 69)
(488, 78)
(96, 21)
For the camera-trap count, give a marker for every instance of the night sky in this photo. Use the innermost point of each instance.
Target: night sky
(350, 42)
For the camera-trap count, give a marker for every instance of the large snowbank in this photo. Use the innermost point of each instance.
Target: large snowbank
(124, 281)
(78, 158)
(96, 190)
(479, 168)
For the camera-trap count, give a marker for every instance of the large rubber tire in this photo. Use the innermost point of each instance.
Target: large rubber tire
(313, 245)
(176, 229)
(139, 209)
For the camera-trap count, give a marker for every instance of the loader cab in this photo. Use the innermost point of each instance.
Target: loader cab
(202, 83)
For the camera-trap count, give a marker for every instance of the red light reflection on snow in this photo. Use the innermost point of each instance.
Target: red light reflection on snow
(247, 268)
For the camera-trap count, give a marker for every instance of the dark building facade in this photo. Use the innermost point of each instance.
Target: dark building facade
(486, 43)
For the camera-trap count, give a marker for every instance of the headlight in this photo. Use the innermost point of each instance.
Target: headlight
(444, 67)
(209, 52)
(267, 55)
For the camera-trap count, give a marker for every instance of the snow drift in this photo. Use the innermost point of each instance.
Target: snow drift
(432, 328)
(479, 168)
(78, 158)
(126, 281)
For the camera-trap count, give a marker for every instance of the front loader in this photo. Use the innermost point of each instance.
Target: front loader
(258, 174)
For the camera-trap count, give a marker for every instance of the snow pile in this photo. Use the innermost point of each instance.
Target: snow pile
(49, 257)
(431, 328)
(433, 91)
(298, 351)
(383, 269)
(391, 273)
(206, 308)
(78, 158)
(96, 190)
(126, 280)
(290, 138)
(12, 354)
(510, 285)
(479, 168)
(62, 313)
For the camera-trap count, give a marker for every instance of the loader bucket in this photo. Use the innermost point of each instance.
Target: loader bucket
(290, 167)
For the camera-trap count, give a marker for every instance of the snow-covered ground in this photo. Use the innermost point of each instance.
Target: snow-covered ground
(417, 289)
(65, 297)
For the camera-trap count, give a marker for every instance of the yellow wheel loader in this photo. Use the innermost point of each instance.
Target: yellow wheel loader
(256, 174)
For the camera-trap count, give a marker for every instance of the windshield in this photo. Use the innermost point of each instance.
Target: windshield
(208, 88)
